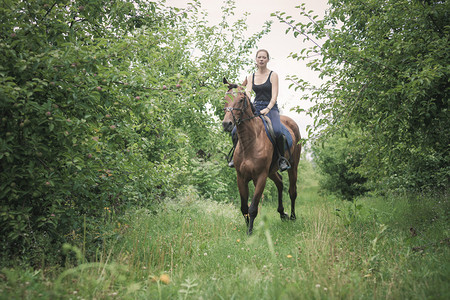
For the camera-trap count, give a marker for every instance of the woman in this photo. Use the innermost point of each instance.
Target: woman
(264, 83)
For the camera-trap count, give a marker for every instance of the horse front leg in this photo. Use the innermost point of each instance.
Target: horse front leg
(276, 178)
(260, 184)
(243, 192)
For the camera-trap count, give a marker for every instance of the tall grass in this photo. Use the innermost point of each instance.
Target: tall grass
(192, 248)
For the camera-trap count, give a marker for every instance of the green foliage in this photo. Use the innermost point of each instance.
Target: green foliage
(102, 108)
(338, 160)
(385, 69)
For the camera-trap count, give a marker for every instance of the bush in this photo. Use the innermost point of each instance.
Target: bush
(102, 108)
(338, 160)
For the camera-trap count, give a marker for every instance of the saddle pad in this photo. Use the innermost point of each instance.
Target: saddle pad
(284, 131)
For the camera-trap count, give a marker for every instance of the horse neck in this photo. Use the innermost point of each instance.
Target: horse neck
(248, 132)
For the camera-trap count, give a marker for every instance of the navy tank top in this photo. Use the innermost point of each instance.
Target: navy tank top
(263, 92)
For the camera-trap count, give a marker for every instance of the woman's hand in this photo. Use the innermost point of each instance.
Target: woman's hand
(265, 111)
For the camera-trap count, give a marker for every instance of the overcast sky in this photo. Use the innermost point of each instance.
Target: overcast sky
(279, 44)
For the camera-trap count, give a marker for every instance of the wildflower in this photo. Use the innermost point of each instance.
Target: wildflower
(289, 256)
(317, 285)
(164, 278)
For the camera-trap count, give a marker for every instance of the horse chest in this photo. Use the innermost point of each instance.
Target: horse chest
(251, 169)
(253, 161)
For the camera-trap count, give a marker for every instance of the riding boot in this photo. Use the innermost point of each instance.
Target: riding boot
(234, 138)
(283, 163)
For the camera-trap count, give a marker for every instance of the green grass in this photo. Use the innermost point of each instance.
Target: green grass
(362, 251)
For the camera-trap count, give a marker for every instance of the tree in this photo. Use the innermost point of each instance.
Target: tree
(385, 66)
(102, 108)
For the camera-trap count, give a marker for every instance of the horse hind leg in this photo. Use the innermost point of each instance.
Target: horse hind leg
(276, 178)
(293, 182)
(293, 194)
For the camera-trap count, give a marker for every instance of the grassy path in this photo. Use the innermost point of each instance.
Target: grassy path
(198, 249)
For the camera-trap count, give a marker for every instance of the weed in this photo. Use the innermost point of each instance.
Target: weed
(188, 288)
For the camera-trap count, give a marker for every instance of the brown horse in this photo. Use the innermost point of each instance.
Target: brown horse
(254, 154)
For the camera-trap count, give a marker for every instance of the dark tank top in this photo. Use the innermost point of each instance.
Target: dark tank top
(263, 91)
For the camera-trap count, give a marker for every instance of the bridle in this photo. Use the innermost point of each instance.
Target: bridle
(238, 121)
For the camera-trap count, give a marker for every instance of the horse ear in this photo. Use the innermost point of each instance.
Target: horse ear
(225, 81)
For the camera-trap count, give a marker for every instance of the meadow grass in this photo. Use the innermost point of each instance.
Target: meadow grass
(193, 248)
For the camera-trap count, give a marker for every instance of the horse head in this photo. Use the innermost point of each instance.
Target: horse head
(237, 105)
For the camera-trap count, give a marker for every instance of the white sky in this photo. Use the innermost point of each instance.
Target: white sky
(279, 44)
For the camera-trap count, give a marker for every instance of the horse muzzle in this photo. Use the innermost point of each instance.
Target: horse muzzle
(227, 126)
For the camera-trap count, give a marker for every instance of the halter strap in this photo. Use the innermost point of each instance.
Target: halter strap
(238, 121)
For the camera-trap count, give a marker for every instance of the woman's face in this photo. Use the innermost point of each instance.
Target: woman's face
(262, 59)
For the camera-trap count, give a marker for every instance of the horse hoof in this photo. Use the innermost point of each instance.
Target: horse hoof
(284, 217)
(293, 218)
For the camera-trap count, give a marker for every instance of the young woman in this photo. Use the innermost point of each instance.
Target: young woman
(264, 83)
